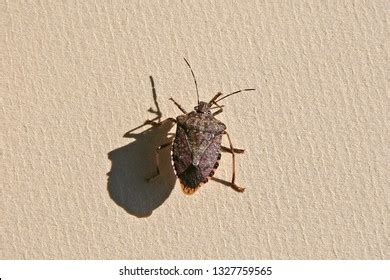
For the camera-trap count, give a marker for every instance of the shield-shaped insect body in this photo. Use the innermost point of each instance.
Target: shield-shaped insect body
(197, 145)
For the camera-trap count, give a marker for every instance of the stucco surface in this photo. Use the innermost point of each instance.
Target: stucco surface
(75, 77)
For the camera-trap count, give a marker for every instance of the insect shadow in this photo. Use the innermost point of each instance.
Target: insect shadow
(133, 163)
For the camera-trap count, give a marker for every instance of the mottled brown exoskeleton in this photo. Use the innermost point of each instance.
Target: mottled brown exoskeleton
(197, 143)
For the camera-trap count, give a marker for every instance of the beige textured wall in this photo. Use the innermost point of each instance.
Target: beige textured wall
(75, 79)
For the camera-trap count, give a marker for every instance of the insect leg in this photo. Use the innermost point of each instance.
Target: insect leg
(233, 185)
(218, 112)
(157, 155)
(178, 106)
(228, 150)
(220, 109)
(215, 97)
(216, 104)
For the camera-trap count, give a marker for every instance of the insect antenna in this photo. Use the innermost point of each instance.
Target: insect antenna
(241, 90)
(217, 107)
(193, 75)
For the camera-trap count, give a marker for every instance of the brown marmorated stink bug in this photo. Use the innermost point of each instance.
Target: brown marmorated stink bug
(197, 145)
